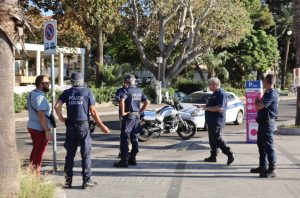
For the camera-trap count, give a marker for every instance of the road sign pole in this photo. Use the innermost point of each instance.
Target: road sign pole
(53, 102)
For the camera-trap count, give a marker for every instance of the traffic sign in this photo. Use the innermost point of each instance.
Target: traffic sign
(50, 37)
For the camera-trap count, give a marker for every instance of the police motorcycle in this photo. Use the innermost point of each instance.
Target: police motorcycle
(168, 119)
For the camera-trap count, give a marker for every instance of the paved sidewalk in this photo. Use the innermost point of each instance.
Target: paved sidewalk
(178, 170)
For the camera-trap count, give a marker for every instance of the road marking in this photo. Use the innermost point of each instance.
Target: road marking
(176, 182)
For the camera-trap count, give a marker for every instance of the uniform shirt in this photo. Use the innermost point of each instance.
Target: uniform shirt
(78, 100)
(219, 99)
(37, 101)
(133, 98)
(270, 101)
(119, 93)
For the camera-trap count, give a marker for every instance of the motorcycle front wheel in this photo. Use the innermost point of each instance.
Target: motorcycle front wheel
(187, 132)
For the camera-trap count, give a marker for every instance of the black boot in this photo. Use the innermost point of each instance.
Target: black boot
(123, 163)
(231, 157)
(68, 183)
(132, 159)
(212, 157)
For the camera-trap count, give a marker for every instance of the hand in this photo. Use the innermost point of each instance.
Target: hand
(201, 106)
(63, 119)
(49, 135)
(105, 129)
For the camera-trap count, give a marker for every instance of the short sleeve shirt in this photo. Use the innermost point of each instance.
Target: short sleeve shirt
(119, 93)
(78, 100)
(133, 98)
(218, 98)
(37, 101)
(270, 101)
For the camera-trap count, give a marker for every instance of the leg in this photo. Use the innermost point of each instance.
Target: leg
(126, 128)
(135, 142)
(39, 145)
(70, 145)
(270, 150)
(261, 139)
(85, 151)
(218, 129)
(213, 145)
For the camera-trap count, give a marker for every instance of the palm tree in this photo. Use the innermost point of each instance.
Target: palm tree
(9, 20)
(296, 7)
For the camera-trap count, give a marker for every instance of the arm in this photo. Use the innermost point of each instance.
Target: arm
(44, 123)
(122, 107)
(97, 119)
(213, 109)
(259, 105)
(58, 108)
(144, 107)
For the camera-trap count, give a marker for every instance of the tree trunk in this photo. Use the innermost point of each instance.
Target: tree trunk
(163, 66)
(87, 61)
(296, 8)
(284, 66)
(9, 182)
(99, 57)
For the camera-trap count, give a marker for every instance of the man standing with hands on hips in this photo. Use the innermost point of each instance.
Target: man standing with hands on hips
(267, 108)
(215, 118)
(129, 108)
(79, 101)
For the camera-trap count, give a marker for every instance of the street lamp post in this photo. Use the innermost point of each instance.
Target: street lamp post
(284, 68)
(159, 61)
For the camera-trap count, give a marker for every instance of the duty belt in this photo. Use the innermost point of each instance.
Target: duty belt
(135, 113)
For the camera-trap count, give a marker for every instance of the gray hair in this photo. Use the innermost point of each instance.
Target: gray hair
(216, 81)
(77, 83)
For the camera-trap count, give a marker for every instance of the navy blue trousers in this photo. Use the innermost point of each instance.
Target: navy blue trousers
(215, 139)
(265, 144)
(78, 135)
(130, 130)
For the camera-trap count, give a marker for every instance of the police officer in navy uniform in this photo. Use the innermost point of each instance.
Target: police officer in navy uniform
(130, 110)
(215, 118)
(79, 101)
(267, 108)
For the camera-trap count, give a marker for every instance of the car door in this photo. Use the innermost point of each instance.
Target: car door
(230, 110)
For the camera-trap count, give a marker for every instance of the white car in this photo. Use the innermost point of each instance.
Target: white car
(234, 110)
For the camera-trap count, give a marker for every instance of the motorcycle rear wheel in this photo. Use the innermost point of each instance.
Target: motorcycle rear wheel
(187, 133)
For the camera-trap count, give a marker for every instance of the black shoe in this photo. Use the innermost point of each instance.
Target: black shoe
(255, 170)
(268, 174)
(211, 159)
(231, 158)
(132, 160)
(121, 164)
(89, 184)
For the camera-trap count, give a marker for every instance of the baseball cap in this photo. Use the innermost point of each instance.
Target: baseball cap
(130, 77)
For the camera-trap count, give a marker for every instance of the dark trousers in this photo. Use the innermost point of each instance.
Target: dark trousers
(130, 130)
(78, 134)
(265, 144)
(215, 139)
(39, 142)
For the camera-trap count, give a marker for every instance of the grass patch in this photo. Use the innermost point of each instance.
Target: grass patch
(33, 186)
(289, 126)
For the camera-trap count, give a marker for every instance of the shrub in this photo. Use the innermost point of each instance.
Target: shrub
(33, 186)
(104, 94)
(20, 102)
(189, 86)
(150, 93)
(238, 92)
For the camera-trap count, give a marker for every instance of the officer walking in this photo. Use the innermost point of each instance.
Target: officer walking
(267, 108)
(215, 117)
(129, 107)
(79, 101)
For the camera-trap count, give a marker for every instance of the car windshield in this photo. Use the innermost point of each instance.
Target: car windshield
(201, 98)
